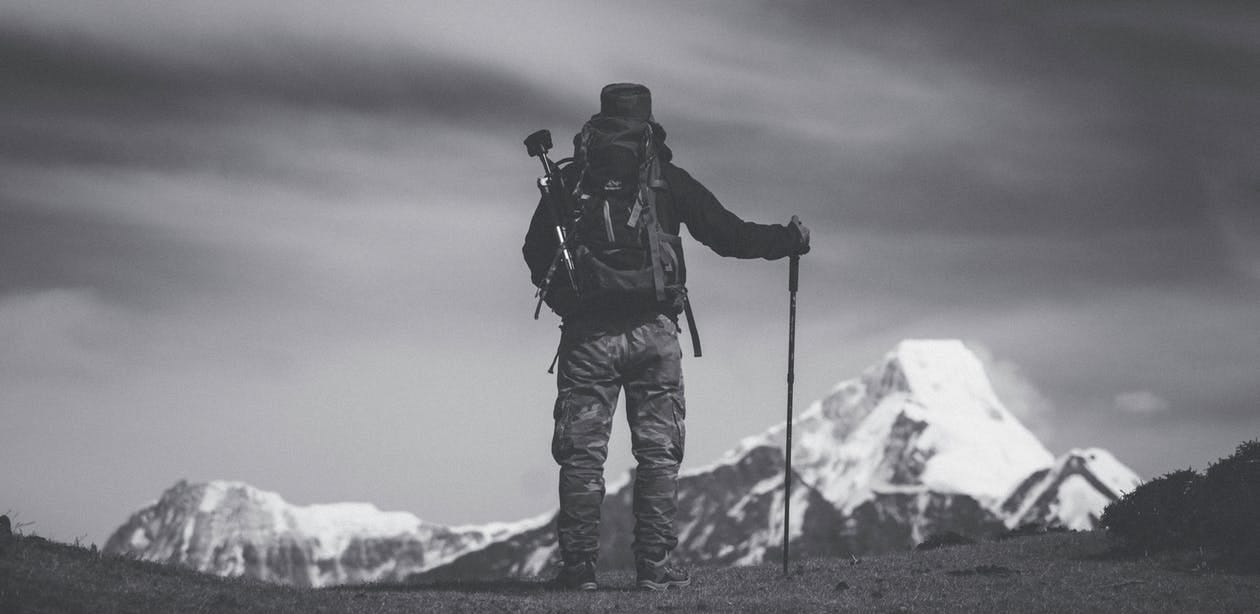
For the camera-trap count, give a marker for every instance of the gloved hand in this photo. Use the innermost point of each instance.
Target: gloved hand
(803, 232)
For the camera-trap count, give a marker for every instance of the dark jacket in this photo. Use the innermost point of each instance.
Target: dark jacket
(685, 202)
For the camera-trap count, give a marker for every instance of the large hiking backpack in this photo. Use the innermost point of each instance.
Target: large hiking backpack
(621, 253)
(620, 250)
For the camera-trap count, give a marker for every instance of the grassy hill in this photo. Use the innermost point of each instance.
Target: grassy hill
(1058, 572)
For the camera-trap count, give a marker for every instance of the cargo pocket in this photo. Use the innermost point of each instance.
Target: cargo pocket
(679, 439)
(561, 446)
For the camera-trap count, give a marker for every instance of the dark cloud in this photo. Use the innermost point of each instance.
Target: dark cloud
(1065, 149)
(61, 90)
(1092, 116)
(75, 108)
(44, 247)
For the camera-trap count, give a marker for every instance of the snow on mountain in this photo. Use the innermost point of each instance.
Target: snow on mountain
(917, 444)
(1072, 493)
(234, 529)
(924, 419)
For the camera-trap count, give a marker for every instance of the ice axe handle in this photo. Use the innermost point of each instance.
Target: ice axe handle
(794, 273)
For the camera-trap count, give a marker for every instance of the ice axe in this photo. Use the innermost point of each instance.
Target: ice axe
(794, 275)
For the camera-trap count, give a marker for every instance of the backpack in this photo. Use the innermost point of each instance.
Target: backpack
(620, 249)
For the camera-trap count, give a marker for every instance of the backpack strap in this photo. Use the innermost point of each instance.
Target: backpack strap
(654, 248)
(650, 180)
(691, 325)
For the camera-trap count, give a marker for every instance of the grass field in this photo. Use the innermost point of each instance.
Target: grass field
(1058, 572)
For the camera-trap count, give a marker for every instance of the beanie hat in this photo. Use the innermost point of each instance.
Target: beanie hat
(629, 100)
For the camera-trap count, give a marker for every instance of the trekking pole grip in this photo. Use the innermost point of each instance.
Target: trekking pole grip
(794, 273)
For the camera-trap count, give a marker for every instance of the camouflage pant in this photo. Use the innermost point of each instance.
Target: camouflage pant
(595, 363)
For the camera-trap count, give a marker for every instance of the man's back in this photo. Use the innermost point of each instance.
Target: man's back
(620, 329)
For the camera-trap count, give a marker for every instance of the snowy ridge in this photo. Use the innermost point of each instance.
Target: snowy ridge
(1073, 492)
(331, 526)
(230, 528)
(499, 530)
(733, 456)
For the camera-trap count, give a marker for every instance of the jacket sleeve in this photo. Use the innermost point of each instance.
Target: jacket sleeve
(540, 244)
(724, 232)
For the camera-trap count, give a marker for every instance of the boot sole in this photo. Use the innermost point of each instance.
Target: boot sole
(660, 586)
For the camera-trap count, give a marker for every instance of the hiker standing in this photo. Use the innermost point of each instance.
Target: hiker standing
(620, 323)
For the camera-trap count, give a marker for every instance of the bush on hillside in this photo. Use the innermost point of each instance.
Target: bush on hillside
(1029, 529)
(1183, 509)
(1230, 495)
(1158, 515)
(942, 540)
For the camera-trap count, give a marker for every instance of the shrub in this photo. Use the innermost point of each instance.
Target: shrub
(941, 540)
(1158, 515)
(1229, 496)
(1031, 528)
(1216, 511)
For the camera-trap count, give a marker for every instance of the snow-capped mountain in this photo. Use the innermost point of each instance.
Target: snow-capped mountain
(918, 444)
(920, 435)
(234, 529)
(925, 420)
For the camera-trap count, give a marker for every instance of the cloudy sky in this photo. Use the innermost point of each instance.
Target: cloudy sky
(281, 243)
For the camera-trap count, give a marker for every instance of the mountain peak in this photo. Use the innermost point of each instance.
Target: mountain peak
(945, 373)
(925, 418)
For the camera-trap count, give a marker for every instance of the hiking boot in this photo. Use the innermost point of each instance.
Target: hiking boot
(660, 575)
(579, 576)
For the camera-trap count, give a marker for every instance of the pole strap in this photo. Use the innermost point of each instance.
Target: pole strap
(691, 325)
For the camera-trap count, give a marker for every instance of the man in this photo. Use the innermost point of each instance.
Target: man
(620, 325)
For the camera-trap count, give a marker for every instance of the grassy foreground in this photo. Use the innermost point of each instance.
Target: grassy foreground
(1063, 572)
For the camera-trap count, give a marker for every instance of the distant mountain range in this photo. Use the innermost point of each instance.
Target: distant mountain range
(918, 444)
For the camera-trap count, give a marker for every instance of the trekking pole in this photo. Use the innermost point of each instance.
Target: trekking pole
(551, 185)
(794, 270)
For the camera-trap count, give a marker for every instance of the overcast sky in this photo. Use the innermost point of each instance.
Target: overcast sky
(281, 243)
